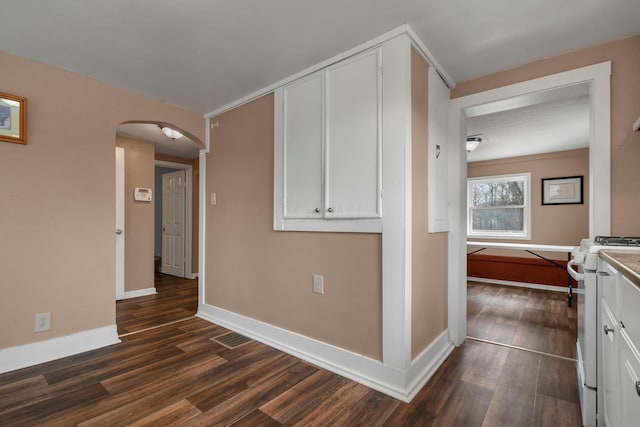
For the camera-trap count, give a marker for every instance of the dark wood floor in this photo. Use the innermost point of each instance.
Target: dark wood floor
(177, 298)
(530, 318)
(175, 375)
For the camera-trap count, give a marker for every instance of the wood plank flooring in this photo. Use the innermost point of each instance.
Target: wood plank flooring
(175, 375)
(529, 318)
(176, 299)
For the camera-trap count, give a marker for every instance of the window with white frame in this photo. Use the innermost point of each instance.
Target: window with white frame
(499, 206)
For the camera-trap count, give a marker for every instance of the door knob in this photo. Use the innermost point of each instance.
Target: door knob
(118, 231)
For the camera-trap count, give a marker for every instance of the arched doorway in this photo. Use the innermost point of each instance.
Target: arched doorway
(145, 149)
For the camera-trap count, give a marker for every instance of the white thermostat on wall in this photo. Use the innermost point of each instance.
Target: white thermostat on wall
(142, 194)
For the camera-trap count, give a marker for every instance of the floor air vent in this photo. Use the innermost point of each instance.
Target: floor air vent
(231, 340)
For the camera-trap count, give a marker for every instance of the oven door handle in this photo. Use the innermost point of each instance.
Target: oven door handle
(576, 276)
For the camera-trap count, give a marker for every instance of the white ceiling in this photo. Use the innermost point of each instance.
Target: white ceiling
(203, 54)
(550, 121)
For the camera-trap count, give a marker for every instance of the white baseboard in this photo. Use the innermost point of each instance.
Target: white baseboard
(427, 363)
(18, 357)
(523, 284)
(364, 370)
(139, 293)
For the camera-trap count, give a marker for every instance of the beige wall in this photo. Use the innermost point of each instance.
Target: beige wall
(57, 216)
(266, 275)
(550, 225)
(429, 251)
(625, 108)
(138, 216)
(195, 202)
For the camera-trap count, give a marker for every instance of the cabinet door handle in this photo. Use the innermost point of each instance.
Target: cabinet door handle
(638, 387)
(607, 329)
(317, 210)
(330, 210)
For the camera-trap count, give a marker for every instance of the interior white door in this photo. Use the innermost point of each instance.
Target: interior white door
(173, 223)
(119, 231)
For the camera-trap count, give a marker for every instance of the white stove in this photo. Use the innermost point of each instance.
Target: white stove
(587, 253)
(586, 259)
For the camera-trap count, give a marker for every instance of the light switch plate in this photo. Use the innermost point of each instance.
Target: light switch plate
(318, 284)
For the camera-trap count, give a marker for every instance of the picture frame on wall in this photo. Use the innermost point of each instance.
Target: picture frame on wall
(567, 190)
(13, 118)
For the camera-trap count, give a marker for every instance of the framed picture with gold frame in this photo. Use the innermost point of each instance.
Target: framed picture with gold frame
(13, 118)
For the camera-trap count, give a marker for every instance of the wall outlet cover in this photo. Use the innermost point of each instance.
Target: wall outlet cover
(42, 322)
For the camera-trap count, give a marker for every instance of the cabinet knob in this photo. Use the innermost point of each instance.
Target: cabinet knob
(330, 210)
(317, 210)
(607, 329)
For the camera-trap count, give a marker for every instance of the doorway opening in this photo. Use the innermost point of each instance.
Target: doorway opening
(160, 283)
(596, 79)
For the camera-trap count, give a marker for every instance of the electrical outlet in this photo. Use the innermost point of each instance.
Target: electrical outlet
(43, 322)
(318, 284)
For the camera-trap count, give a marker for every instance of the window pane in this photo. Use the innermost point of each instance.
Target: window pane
(500, 219)
(498, 193)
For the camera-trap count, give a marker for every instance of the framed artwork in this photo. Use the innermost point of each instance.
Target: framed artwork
(13, 118)
(565, 190)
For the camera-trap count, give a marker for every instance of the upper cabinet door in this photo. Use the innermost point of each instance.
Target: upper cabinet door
(438, 163)
(353, 137)
(303, 148)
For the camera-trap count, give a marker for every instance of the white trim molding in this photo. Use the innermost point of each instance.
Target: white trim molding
(402, 385)
(19, 357)
(404, 29)
(139, 293)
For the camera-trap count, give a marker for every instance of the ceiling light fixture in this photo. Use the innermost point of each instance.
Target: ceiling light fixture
(473, 142)
(170, 133)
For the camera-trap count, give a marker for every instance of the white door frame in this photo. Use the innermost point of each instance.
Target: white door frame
(598, 77)
(188, 210)
(119, 231)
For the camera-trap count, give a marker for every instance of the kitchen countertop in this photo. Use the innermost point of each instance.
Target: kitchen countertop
(627, 263)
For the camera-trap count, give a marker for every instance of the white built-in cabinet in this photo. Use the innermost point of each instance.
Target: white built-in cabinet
(620, 357)
(331, 128)
(438, 162)
(328, 142)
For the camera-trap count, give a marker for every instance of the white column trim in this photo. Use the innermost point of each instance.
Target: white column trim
(396, 218)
